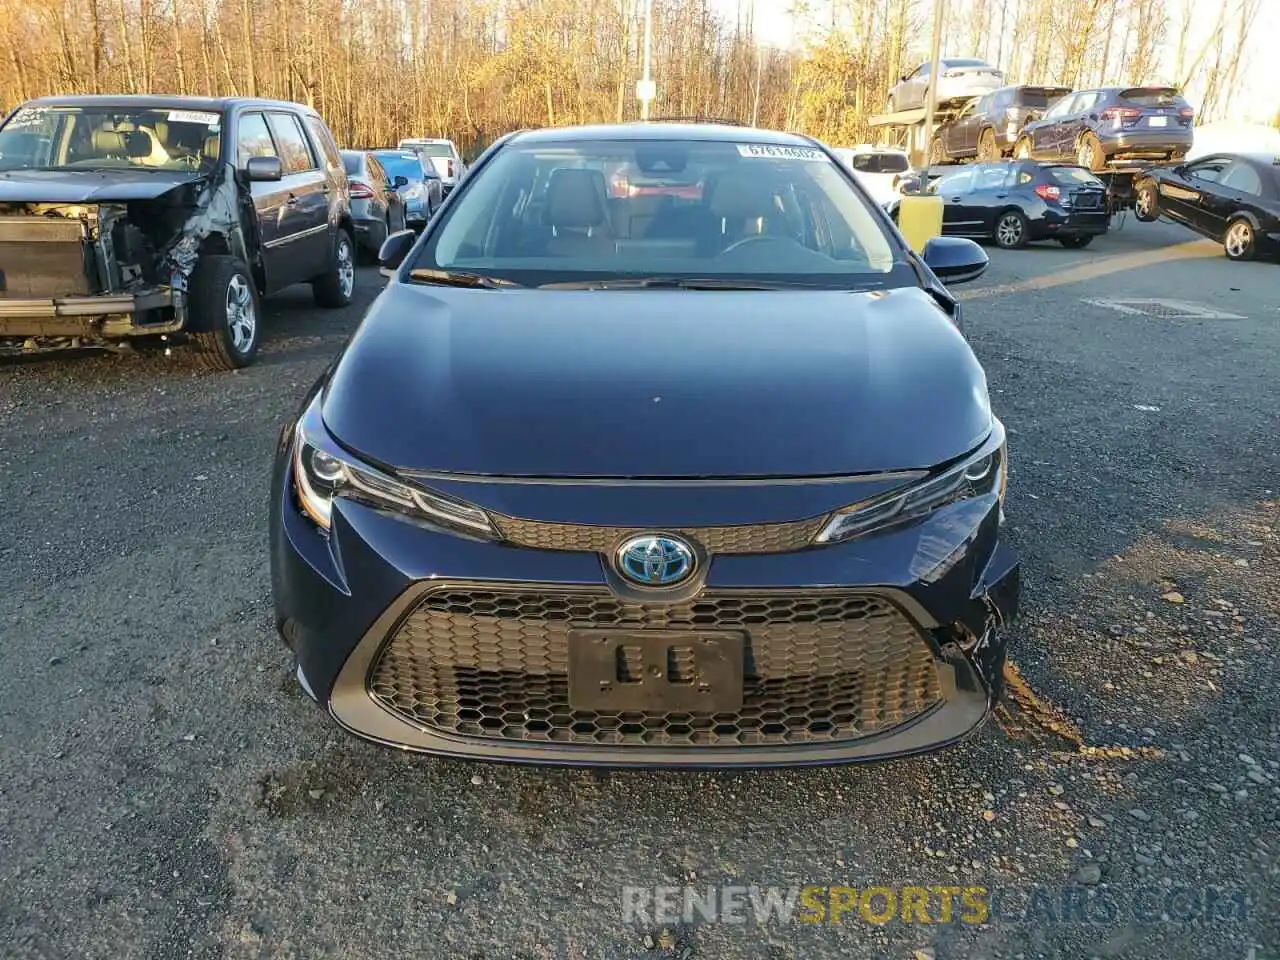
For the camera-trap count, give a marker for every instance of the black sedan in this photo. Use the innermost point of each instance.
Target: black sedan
(710, 481)
(1013, 203)
(1232, 198)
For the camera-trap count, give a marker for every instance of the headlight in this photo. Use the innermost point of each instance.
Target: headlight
(323, 471)
(981, 473)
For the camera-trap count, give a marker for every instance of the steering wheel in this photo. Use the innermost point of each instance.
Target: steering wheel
(754, 238)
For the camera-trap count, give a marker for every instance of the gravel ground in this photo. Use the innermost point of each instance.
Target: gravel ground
(166, 791)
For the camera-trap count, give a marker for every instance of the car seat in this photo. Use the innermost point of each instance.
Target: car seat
(576, 213)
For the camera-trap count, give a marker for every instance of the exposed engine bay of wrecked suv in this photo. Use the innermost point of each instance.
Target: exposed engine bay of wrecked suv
(125, 217)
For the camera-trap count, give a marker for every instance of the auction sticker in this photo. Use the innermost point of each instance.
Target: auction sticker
(194, 116)
(773, 151)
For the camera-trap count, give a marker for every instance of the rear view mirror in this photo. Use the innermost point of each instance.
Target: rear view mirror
(264, 169)
(394, 249)
(955, 259)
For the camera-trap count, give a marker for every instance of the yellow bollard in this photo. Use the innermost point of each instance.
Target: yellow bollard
(920, 219)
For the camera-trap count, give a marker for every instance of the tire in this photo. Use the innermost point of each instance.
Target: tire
(987, 149)
(1240, 242)
(1011, 231)
(1146, 203)
(334, 288)
(224, 315)
(937, 152)
(1077, 242)
(1022, 149)
(1089, 153)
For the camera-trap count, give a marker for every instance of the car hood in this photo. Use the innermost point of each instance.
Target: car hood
(656, 383)
(89, 186)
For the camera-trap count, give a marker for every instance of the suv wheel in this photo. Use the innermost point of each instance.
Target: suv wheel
(334, 287)
(1011, 230)
(1022, 149)
(1089, 153)
(223, 313)
(987, 149)
(1076, 242)
(937, 153)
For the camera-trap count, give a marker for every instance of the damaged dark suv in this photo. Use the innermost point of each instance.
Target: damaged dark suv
(140, 216)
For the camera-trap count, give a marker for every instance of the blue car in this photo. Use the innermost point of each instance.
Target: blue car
(422, 191)
(702, 476)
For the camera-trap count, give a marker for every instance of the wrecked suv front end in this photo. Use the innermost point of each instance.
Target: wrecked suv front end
(84, 273)
(106, 211)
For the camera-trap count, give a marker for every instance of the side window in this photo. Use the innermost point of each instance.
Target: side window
(253, 139)
(984, 106)
(1081, 102)
(1210, 170)
(922, 71)
(1059, 109)
(295, 151)
(320, 135)
(1240, 176)
(1003, 99)
(991, 177)
(955, 183)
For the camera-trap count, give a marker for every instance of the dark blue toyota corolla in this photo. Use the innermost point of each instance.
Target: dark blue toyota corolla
(659, 448)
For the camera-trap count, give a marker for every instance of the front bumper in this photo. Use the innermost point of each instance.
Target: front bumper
(885, 646)
(143, 313)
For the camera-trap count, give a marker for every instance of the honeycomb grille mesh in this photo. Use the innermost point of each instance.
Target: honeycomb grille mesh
(750, 538)
(493, 663)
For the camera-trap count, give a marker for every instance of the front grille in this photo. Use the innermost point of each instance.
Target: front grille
(749, 538)
(493, 663)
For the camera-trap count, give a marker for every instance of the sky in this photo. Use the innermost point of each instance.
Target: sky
(1258, 98)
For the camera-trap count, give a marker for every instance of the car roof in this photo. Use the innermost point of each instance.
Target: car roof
(719, 132)
(172, 101)
(1252, 156)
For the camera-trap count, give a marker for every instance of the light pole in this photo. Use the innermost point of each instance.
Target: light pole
(645, 89)
(931, 102)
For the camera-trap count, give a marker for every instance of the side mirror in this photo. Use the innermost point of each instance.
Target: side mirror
(264, 169)
(399, 182)
(955, 259)
(394, 249)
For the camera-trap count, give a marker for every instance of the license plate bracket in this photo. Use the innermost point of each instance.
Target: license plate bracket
(1157, 121)
(616, 671)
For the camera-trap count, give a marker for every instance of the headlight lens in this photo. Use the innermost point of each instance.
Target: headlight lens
(981, 473)
(323, 471)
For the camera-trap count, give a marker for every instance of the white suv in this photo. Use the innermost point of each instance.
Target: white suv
(879, 169)
(443, 155)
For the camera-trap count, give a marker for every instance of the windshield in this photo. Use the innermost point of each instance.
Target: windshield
(1039, 96)
(616, 209)
(55, 138)
(441, 150)
(405, 165)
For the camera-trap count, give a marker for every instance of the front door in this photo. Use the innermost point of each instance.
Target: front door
(305, 233)
(270, 200)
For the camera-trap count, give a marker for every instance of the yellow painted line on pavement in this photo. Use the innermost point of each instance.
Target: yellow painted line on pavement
(1191, 250)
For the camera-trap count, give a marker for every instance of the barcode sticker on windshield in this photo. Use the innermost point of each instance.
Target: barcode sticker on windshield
(194, 116)
(773, 151)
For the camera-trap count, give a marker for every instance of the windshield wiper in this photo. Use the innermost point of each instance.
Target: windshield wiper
(665, 283)
(458, 278)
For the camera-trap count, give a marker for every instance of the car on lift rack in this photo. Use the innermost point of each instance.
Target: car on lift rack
(1233, 198)
(987, 127)
(1096, 127)
(160, 216)
(961, 77)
